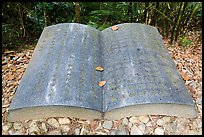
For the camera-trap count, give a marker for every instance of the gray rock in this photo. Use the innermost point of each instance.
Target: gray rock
(7, 126)
(119, 132)
(144, 118)
(142, 127)
(55, 132)
(159, 131)
(148, 130)
(53, 122)
(200, 124)
(18, 132)
(166, 119)
(33, 128)
(44, 127)
(193, 132)
(107, 124)
(11, 132)
(65, 128)
(64, 121)
(135, 130)
(17, 125)
(125, 121)
(149, 124)
(134, 120)
(199, 100)
(77, 131)
(168, 127)
(174, 126)
(160, 122)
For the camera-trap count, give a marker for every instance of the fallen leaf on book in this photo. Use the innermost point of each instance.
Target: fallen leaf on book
(99, 68)
(101, 83)
(114, 28)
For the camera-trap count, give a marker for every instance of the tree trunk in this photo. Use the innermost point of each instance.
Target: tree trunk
(191, 16)
(45, 16)
(146, 13)
(77, 12)
(174, 27)
(179, 21)
(130, 12)
(184, 17)
(155, 14)
(21, 14)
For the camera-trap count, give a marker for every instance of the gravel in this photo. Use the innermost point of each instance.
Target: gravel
(63, 121)
(107, 124)
(53, 122)
(159, 131)
(135, 131)
(144, 119)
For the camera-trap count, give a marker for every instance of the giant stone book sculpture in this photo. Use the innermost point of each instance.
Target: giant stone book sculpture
(61, 79)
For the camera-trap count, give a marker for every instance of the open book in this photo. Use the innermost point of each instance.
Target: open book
(61, 79)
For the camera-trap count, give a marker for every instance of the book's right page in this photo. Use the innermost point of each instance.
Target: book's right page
(141, 76)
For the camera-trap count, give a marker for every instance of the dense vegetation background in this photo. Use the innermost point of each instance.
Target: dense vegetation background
(23, 22)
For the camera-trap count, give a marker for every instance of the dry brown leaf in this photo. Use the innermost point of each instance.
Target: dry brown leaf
(4, 67)
(101, 83)
(8, 52)
(13, 68)
(99, 68)
(114, 28)
(21, 70)
(11, 77)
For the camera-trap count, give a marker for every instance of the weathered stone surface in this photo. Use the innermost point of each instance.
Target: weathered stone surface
(61, 73)
(141, 73)
(61, 80)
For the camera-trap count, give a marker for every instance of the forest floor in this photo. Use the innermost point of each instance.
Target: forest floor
(188, 61)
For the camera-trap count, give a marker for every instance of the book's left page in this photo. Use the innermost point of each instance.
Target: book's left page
(60, 79)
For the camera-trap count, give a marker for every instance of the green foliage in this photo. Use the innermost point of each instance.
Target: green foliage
(23, 22)
(10, 34)
(184, 41)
